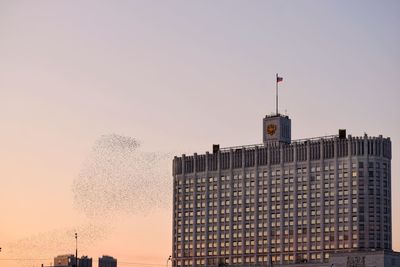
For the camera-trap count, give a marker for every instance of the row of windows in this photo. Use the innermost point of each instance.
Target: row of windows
(314, 168)
(267, 190)
(275, 172)
(280, 258)
(275, 243)
(276, 211)
(263, 229)
(251, 183)
(213, 248)
(274, 206)
(237, 199)
(251, 259)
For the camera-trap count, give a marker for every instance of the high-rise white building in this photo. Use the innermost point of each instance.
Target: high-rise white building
(284, 201)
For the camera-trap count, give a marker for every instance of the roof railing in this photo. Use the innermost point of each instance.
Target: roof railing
(326, 137)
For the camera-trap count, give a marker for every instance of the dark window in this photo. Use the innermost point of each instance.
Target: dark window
(370, 165)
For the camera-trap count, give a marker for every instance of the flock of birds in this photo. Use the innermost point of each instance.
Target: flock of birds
(116, 180)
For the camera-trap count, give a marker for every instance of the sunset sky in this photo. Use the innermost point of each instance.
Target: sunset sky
(176, 76)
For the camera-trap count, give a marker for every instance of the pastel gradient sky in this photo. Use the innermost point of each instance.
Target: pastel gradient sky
(179, 76)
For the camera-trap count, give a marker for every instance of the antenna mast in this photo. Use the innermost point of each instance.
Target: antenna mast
(76, 249)
(276, 94)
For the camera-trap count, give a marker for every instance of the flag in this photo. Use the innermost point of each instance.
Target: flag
(279, 79)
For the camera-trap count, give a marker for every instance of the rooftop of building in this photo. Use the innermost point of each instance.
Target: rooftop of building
(303, 141)
(65, 255)
(107, 257)
(274, 115)
(315, 148)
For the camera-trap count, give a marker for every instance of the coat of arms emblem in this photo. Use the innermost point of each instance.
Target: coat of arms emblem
(271, 129)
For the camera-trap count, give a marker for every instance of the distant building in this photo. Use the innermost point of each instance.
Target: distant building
(107, 261)
(371, 258)
(85, 261)
(67, 260)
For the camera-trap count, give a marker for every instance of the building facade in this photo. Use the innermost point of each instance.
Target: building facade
(283, 201)
(85, 261)
(381, 258)
(67, 260)
(107, 261)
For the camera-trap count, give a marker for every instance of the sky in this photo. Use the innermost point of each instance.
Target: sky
(176, 76)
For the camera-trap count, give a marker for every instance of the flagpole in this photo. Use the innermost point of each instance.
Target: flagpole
(276, 93)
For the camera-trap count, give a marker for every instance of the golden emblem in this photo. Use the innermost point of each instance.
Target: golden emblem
(271, 129)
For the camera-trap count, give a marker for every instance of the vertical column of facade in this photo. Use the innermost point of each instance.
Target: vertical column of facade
(231, 207)
(183, 209)
(207, 256)
(194, 257)
(362, 187)
(269, 203)
(184, 177)
(389, 181)
(356, 147)
(218, 206)
(362, 191)
(322, 195)
(295, 200)
(367, 224)
(382, 193)
(336, 175)
(378, 173)
(282, 204)
(256, 196)
(308, 199)
(243, 171)
(351, 187)
(174, 214)
(388, 205)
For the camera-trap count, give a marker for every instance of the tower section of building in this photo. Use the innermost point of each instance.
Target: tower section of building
(283, 201)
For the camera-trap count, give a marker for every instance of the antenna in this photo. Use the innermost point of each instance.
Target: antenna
(276, 94)
(76, 251)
